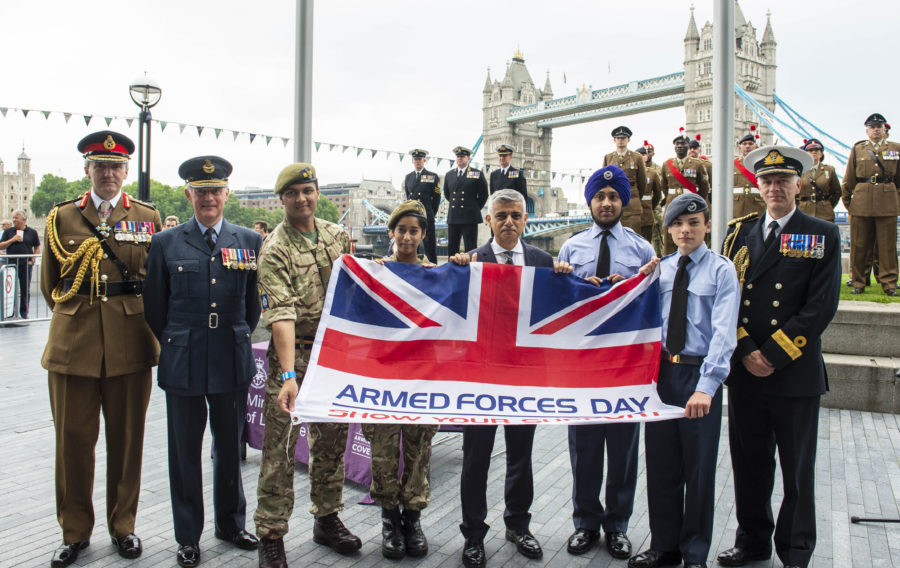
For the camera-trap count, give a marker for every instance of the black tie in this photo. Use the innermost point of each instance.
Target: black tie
(210, 238)
(773, 226)
(603, 257)
(509, 257)
(417, 176)
(677, 330)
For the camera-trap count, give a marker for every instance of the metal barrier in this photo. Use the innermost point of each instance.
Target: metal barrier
(12, 267)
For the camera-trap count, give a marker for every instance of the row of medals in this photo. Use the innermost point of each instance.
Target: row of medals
(803, 246)
(241, 259)
(133, 231)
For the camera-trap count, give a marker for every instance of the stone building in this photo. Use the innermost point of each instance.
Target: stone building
(16, 188)
(754, 71)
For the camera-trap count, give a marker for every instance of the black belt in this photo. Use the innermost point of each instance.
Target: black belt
(116, 288)
(306, 341)
(211, 319)
(876, 179)
(682, 359)
(811, 199)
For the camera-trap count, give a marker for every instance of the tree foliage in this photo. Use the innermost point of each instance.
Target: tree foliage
(327, 210)
(55, 189)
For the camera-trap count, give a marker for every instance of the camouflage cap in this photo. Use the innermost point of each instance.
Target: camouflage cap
(295, 173)
(413, 208)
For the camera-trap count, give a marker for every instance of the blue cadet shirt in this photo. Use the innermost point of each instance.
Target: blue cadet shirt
(712, 312)
(628, 251)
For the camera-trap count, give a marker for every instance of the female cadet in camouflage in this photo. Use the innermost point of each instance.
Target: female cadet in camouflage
(295, 265)
(401, 532)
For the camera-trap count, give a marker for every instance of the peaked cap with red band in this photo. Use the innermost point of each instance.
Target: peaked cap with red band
(106, 146)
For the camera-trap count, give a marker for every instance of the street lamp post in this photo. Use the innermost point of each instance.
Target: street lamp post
(145, 93)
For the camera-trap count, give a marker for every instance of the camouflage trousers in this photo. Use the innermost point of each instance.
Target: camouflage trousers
(389, 489)
(327, 442)
(659, 232)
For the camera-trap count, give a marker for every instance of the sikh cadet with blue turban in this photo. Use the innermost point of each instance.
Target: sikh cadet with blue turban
(606, 251)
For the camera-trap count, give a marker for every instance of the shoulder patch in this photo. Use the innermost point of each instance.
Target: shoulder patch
(749, 217)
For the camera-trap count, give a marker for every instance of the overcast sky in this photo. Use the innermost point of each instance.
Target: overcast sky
(395, 74)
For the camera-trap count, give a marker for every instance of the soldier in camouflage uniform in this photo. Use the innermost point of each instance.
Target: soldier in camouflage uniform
(294, 268)
(401, 531)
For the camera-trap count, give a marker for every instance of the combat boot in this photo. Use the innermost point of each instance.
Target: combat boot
(392, 539)
(330, 531)
(271, 553)
(416, 543)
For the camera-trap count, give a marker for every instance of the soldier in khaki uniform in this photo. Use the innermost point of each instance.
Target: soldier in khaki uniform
(294, 268)
(401, 530)
(869, 192)
(694, 151)
(680, 174)
(747, 199)
(658, 241)
(100, 351)
(820, 190)
(650, 199)
(633, 165)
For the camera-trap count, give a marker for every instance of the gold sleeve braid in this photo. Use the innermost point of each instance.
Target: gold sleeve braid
(90, 253)
(741, 258)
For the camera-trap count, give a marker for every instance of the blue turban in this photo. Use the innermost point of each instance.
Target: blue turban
(611, 176)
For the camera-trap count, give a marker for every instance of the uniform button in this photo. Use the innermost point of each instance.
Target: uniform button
(778, 286)
(750, 286)
(213, 305)
(170, 340)
(105, 299)
(105, 255)
(104, 277)
(213, 281)
(774, 322)
(746, 302)
(71, 242)
(180, 268)
(248, 335)
(745, 320)
(212, 259)
(776, 303)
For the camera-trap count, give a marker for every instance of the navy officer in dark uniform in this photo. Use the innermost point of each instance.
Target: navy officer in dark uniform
(202, 304)
(506, 176)
(425, 187)
(699, 295)
(789, 265)
(467, 192)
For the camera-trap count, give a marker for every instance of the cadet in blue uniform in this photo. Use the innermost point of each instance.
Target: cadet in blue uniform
(467, 192)
(789, 265)
(605, 251)
(506, 176)
(699, 294)
(201, 302)
(424, 186)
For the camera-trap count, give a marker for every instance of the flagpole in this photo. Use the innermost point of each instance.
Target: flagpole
(303, 82)
(723, 118)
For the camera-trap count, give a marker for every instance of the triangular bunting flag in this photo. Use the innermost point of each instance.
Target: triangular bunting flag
(317, 145)
(359, 151)
(374, 152)
(399, 155)
(107, 119)
(46, 113)
(199, 131)
(331, 147)
(554, 175)
(252, 137)
(181, 128)
(87, 119)
(3, 110)
(218, 131)
(25, 111)
(67, 116)
(129, 121)
(162, 125)
(235, 134)
(268, 139)
(344, 148)
(285, 141)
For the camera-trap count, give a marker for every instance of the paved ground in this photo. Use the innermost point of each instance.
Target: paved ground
(858, 473)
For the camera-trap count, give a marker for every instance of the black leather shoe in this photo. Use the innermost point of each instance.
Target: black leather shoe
(849, 282)
(582, 540)
(892, 292)
(330, 531)
(473, 553)
(737, 556)
(188, 555)
(129, 546)
(393, 544)
(618, 545)
(701, 565)
(653, 559)
(68, 553)
(241, 539)
(526, 544)
(856, 291)
(416, 543)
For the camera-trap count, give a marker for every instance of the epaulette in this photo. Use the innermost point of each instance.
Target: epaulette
(66, 202)
(749, 217)
(139, 202)
(581, 231)
(860, 142)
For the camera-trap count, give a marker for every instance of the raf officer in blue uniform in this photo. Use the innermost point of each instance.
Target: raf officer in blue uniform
(425, 187)
(467, 192)
(606, 251)
(506, 176)
(699, 295)
(202, 304)
(789, 266)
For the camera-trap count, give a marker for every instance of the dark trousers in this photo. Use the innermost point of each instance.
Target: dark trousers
(430, 240)
(468, 233)
(186, 417)
(757, 426)
(681, 469)
(23, 272)
(587, 445)
(518, 491)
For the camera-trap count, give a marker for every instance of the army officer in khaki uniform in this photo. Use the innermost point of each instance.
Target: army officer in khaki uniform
(632, 164)
(679, 175)
(869, 192)
(100, 351)
(747, 199)
(820, 190)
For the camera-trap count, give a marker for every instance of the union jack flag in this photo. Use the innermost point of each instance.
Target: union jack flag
(481, 343)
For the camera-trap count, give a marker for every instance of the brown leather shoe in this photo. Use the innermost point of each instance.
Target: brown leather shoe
(271, 553)
(330, 531)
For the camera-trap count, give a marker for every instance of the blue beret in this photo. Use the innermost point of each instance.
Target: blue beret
(611, 176)
(685, 203)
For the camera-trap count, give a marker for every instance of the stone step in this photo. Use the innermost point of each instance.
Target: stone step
(864, 328)
(862, 382)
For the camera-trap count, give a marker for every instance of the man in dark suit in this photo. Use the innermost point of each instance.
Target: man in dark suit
(467, 192)
(506, 216)
(508, 177)
(789, 265)
(202, 304)
(424, 186)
